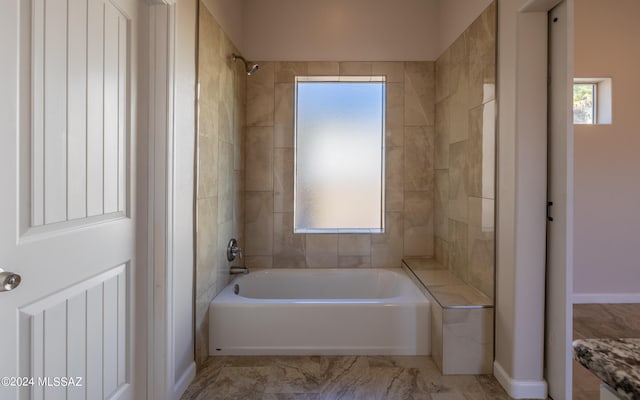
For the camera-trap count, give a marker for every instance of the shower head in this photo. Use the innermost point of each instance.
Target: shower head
(250, 67)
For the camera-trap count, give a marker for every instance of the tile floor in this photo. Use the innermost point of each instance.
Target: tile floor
(370, 378)
(333, 378)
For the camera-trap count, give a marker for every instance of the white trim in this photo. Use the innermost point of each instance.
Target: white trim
(161, 371)
(605, 298)
(182, 383)
(524, 389)
(521, 187)
(539, 5)
(169, 193)
(161, 2)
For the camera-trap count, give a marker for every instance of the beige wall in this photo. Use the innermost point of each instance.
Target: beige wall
(454, 16)
(607, 161)
(230, 16)
(390, 30)
(465, 154)
(219, 192)
(409, 169)
(330, 30)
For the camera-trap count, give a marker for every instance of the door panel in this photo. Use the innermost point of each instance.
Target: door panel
(69, 332)
(66, 216)
(78, 148)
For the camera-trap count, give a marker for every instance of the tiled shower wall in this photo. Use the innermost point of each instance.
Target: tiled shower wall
(220, 144)
(410, 121)
(465, 154)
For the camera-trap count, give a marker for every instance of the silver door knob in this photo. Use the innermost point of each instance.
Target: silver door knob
(8, 280)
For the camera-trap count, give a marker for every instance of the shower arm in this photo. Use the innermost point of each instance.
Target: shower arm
(249, 67)
(235, 57)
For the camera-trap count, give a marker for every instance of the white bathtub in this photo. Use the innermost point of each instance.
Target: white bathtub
(320, 312)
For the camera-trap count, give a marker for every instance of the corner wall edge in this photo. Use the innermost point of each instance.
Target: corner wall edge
(519, 389)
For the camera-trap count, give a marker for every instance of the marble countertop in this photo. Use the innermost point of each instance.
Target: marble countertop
(615, 361)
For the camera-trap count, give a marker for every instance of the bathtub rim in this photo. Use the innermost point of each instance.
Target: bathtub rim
(227, 295)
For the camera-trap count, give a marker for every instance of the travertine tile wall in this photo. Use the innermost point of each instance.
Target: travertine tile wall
(410, 122)
(465, 154)
(220, 167)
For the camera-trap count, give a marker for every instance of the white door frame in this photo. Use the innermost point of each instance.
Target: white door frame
(559, 293)
(559, 288)
(521, 214)
(162, 382)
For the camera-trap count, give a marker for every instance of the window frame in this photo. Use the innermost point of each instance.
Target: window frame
(382, 194)
(602, 100)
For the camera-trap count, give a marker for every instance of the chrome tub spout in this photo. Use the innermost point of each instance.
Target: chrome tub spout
(238, 270)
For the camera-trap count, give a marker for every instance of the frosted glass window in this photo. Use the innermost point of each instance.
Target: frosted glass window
(339, 154)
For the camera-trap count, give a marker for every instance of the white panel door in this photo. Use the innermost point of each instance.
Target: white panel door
(67, 137)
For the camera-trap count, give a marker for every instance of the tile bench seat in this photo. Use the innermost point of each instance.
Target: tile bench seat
(461, 319)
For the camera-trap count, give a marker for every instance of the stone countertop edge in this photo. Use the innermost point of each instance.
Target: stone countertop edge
(615, 361)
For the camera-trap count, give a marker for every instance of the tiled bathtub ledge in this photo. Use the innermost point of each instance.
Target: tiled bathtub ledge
(461, 319)
(615, 361)
(447, 289)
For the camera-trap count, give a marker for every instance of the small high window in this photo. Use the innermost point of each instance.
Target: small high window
(584, 103)
(339, 154)
(592, 101)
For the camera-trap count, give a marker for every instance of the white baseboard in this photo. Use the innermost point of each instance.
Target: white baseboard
(519, 389)
(182, 383)
(605, 298)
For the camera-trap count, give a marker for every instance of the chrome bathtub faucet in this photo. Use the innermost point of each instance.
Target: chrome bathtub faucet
(234, 250)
